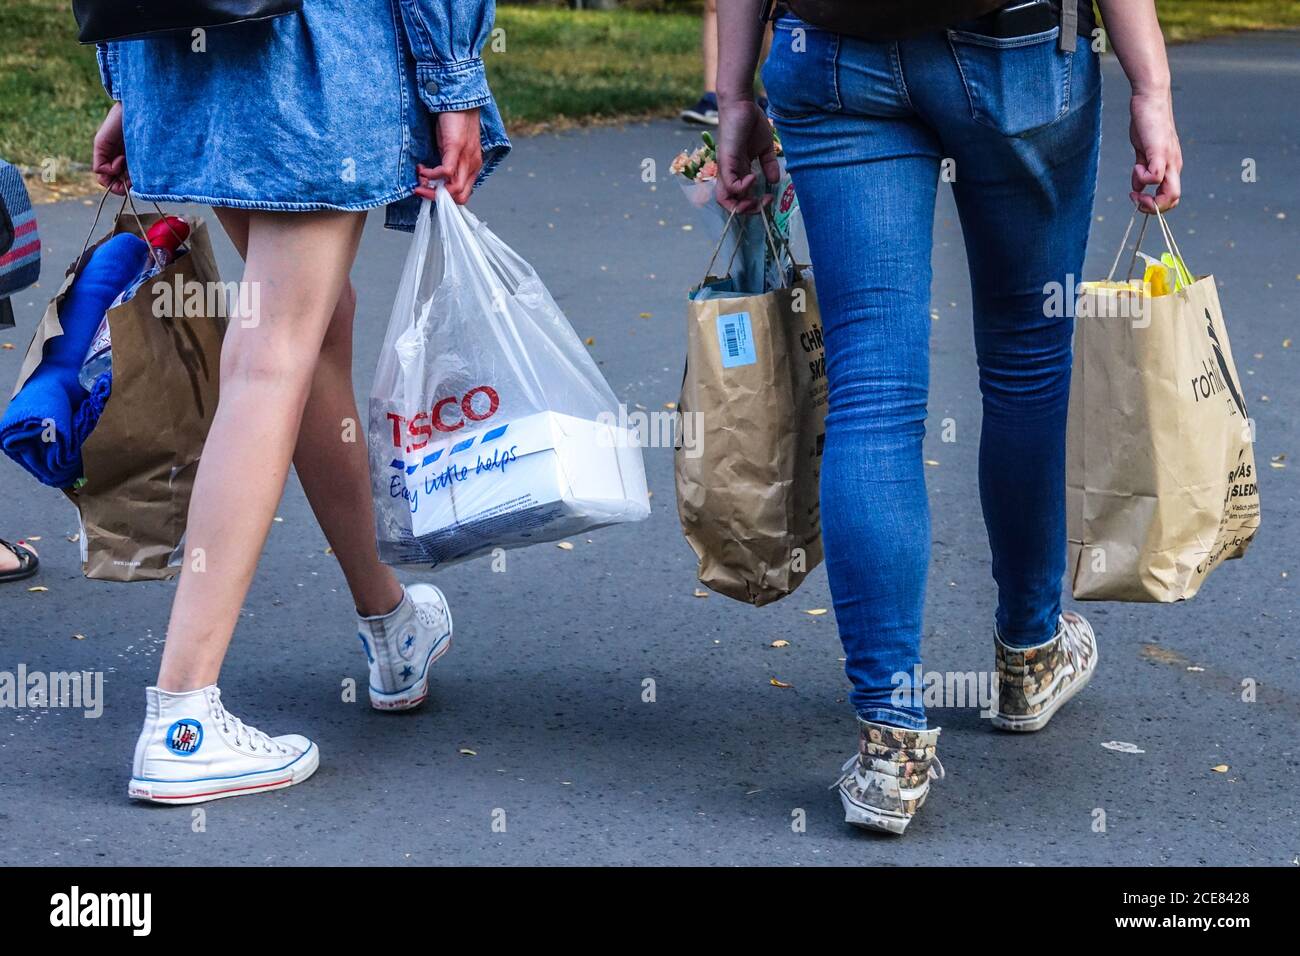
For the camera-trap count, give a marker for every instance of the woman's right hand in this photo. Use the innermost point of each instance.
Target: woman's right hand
(108, 158)
(1158, 157)
(744, 135)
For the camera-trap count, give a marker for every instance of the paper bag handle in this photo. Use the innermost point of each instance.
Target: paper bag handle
(768, 228)
(126, 198)
(1171, 245)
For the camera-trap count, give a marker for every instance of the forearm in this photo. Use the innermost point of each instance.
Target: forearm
(1134, 33)
(740, 34)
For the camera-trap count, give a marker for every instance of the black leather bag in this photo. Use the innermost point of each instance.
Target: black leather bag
(888, 19)
(100, 20)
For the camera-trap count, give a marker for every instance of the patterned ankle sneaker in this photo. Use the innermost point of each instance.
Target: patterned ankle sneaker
(402, 645)
(1033, 682)
(888, 779)
(192, 750)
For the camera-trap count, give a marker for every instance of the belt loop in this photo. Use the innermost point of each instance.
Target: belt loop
(1069, 25)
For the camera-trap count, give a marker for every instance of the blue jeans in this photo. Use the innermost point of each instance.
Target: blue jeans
(866, 127)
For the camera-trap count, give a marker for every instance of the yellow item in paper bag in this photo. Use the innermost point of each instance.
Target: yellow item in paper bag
(1156, 279)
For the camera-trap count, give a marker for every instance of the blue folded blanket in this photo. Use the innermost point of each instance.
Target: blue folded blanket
(88, 414)
(39, 429)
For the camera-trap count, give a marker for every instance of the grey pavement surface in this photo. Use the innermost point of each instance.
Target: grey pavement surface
(544, 683)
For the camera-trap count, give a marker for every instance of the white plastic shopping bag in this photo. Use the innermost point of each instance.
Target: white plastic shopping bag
(490, 425)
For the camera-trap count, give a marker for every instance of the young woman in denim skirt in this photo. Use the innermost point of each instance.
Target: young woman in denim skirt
(1013, 96)
(291, 128)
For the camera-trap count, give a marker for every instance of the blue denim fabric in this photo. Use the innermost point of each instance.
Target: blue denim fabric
(329, 108)
(865, 127)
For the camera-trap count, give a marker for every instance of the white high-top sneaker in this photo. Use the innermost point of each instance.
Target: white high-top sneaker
(402, 645)
(192, 750)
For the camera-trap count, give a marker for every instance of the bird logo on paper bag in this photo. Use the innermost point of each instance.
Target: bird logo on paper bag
(1215, 378)
(448, 414)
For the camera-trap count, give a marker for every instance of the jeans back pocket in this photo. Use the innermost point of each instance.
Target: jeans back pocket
(800, 76)
(1015, 84)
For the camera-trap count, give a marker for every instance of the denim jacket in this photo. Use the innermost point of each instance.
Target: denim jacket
(445, 39)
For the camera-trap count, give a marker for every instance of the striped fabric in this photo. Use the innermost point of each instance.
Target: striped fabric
(20, 264)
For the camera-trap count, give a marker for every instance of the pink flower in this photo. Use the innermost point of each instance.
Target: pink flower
(680, 161)
(708, 171)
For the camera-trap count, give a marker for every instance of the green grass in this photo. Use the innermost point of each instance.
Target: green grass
(50, 99)
(557, 66)
(561, 64)
(1184, 20)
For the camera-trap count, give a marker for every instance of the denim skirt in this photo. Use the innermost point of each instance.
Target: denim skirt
(313, 110)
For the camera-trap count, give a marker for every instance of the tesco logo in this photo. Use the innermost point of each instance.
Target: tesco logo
(447, 415)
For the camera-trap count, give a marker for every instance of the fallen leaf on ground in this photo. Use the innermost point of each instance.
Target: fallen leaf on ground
(7, 346)
(74, 538)
(1221, 768)
(779, 683)
(38, 589)
(1161, 655)
(591, 340)
(780, 644)
(670, 405)
(1123, 747)
(700, 592)
(465, 751)
(816, 611)
(329, 550)
(932, 463)
(565, 546)
(78, 637)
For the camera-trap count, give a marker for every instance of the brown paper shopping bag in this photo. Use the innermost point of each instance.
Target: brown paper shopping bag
(755, 390)
(1161, 467)
(142, 456)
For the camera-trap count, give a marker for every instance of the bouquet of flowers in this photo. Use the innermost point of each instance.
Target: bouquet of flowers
(755, 267)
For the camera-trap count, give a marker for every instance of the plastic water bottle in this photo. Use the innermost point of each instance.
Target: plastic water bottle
(165, 238)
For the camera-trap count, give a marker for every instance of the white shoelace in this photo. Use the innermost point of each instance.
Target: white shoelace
(244, 735)
(427, 616)
(1073, 642)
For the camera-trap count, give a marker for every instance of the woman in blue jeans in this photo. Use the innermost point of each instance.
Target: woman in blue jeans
(291, 128)
(865, 124)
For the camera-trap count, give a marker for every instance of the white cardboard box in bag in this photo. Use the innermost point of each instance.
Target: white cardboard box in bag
(536, 478)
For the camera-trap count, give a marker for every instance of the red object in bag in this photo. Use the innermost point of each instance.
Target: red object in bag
(165, 237)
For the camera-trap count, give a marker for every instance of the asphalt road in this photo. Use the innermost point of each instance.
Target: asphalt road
(545, 682)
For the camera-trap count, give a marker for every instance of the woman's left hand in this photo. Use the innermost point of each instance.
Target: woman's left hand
(460, 154)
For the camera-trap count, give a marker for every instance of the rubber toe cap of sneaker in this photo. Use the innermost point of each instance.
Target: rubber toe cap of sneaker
(295, 742)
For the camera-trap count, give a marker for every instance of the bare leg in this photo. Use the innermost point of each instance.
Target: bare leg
(300, 263)
(331, 456)
(334, 468)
